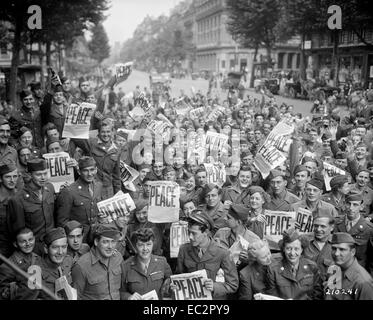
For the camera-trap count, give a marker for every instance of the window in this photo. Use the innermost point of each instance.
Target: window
(280, 63)
(223, 64)
(298, 61)
(3, 49)
(290, 60)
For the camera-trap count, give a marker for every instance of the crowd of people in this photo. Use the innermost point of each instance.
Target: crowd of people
(61, 232)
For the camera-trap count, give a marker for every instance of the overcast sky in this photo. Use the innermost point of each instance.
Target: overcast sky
(125, 15)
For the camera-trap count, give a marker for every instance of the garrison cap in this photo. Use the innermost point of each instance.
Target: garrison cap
(71, 226)
(300, 168)
(342, 237)
(51, 140)
(85, 162)
(23, 130)
(6, 168)
(275, 173)
(208, 188)
(53, 235)
(318, 183)
(338, 181)
(141, 204)
(239, 212)
(354, 196)
(36, 165)
(107, 231)
(3, 121)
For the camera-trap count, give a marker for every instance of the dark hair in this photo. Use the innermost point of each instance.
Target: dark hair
(24, 230)
(24, 93)
(142, 234)
(202, 227)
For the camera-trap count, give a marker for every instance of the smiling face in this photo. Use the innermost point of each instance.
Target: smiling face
(362, 179)
(343, 254)
(256, 201)
(293, 251)
(322, 229)
(25, 242)
(105, 246)
(244, 178)
(57, 250)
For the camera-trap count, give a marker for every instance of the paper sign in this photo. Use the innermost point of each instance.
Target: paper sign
(120, 205)
(215, 174)
(277, 223)
(164, 204)
(190, 286)
(215, 141)
(329, 172)
(64, 291)
(237, 247)
(274, 150)
(123, 70)
(305, 219)
(142, 102)
(262, 296)
(130, 133)
(59, 172)
(160, 128)
(197, 113)
(78, 120)
(178, 235)
(151, 295)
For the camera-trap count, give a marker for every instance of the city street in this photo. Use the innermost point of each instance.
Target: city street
(142, 79)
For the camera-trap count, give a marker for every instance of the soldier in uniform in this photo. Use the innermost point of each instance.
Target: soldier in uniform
(320, 249)
(313, 200)
(33, 207)
(7, 153)
(145, 271)
(340, 187)
(214, 208)
(99, 274)
(281, 199)
(301, 176)
(74, 233)
(56, 263)
(28, 116)
(361, 186)
(359, 228)
(13, 286)
(8, 180)
(105, 153)
(356, 283)
(79, 200)
(238, 192)
(205, 253)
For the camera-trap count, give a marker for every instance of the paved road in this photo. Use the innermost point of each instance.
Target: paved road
(142, 79)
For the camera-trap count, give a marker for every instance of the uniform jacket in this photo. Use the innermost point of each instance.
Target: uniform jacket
(214, 258)
(357, 284)
(306, 285)
(227, 238)
(253, 279)
(25, 209)
(218, 214)
(107, 160)
(322, 258)
(9, 155)
(23, 117)
(50, 273)
(13, 281)
(75, 255)
(137, 281)
(340, 205)
(362, 232)
(6, 247)
(367, 199)
(282, 203)
(94, 281)
(76, 203)
(235, 195)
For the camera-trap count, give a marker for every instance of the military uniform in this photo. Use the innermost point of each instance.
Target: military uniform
(218, 214)
(30, 118)
(96, 281)
(340, 205)
(367, 199)
(76, 203)
(322, 207)
(13, 286)
(6, 247)
(307, 284)
(9, 155)
(107, 160)
(300, 193)
(26, 209)
(323, 257)
(51, 271)
(136, 280)
(252, 281)
(75, 255)
(362, 232)
(283, 202)
(213, 259)
(227, 238)
(357, 284)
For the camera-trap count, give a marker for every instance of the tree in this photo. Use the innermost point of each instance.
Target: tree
(253, 23)
(99, 45)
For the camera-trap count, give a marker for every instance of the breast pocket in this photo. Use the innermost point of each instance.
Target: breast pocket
(307, 281)
(97, 282)
(156, 276)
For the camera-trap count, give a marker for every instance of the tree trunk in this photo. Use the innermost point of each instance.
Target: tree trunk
(18, 25)
(252, 67)
(335, 59)
(302, 65)
(48, 53)
(41, 56)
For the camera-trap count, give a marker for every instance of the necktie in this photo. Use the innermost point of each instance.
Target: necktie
(200, 253)
(90, 189)
(145, 269)
(294, 271)
(60, 271)
(349, 226)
